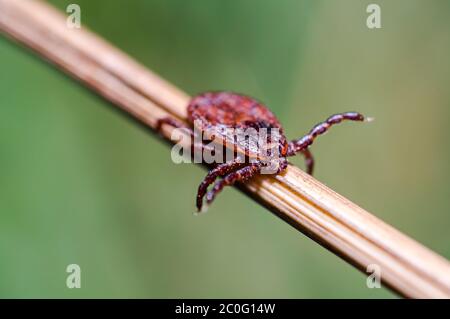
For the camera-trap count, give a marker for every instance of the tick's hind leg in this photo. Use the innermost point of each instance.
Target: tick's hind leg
(175, 123)
(220, 170)
(242, 174)
(303, 143)
(195, 147)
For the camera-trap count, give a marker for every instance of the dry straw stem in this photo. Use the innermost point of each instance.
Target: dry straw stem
(325, 216)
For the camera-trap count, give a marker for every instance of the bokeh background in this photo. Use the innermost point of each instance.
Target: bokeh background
(80, 183)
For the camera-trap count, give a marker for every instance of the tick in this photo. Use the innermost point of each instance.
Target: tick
(213, 111)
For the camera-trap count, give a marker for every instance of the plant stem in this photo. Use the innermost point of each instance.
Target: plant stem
(325, 216)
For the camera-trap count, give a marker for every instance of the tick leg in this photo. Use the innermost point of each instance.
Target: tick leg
(173, 122)
(196, 147)
(220, 170)
(309, 161)
(242, 174)
(303, 143)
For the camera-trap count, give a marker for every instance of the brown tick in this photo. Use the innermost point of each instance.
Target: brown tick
(212, 111)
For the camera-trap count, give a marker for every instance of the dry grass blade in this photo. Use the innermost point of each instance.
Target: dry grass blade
(336, 223)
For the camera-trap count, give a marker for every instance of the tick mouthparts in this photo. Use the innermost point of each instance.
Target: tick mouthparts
(369, 119)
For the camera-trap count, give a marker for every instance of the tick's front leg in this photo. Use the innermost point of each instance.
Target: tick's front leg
(302, 144)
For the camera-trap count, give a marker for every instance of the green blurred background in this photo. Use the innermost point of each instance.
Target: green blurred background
(80, 183)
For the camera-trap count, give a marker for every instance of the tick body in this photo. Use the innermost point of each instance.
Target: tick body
(212, 113)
